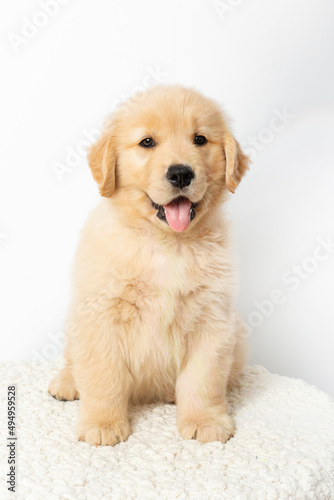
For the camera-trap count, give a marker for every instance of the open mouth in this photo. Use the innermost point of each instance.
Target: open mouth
(177, 214)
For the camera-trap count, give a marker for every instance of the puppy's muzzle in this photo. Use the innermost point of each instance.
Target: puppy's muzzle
(180, 176)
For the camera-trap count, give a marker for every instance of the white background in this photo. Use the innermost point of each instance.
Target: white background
(258, 58)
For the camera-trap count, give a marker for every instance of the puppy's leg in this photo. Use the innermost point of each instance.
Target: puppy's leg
(103, 383)
(202, 410)
(62, 386)
(240, 354)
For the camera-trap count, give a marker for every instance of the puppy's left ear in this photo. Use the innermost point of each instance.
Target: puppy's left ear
(236, 162)
(102, 162)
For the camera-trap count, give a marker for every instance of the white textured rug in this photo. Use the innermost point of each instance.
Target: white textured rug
(283, 447)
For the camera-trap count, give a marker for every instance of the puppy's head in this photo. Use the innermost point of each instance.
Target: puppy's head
(167, 156)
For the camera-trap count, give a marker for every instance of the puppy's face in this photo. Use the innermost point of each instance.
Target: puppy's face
(167, 156)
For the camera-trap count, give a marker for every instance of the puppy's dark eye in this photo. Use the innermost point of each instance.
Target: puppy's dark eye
(148, 142)
(200, 140)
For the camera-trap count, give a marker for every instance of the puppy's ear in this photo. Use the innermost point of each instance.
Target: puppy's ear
(102, 162)
(236, 162)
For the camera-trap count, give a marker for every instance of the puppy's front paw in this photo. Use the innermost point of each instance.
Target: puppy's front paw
(104, 434)
(207, 430)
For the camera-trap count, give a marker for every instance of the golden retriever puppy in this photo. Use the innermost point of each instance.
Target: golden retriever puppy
(152, 316)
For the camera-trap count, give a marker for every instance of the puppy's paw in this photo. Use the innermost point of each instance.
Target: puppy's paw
(207, 430)
(107, 435)
(62, 386)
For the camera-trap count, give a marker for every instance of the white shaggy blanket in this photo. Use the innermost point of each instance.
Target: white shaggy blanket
(283, 447)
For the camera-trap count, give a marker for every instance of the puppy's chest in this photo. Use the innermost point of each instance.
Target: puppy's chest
(174, 272)
(176, 280)
(163, 299)
(160, 287)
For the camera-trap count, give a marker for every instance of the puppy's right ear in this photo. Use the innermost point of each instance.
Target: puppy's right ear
(236, 162)
(102, 162)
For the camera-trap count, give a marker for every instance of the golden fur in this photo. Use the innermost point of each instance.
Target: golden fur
(152, 316)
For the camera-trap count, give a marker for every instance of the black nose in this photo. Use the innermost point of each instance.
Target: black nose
(180, 175)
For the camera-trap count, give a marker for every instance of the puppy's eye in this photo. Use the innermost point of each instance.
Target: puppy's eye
(200, 140)
(148, 142)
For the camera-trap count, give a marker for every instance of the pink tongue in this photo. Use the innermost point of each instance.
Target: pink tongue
(178, 214)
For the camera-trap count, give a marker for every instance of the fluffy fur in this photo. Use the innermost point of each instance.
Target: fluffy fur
(152, 316)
